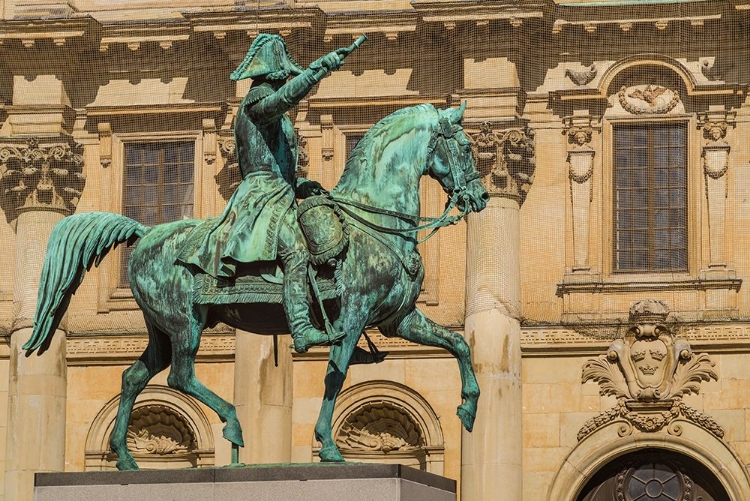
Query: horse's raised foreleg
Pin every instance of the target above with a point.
(338, 365)
(420, 329)
(135, 378)
(182, 378)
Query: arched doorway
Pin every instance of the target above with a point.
(653, 475)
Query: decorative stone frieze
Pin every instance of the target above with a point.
(649, 370)
(505, 159)
(40, 173)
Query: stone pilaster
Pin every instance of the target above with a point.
(41, 182)
(491, 455)
(263, 398)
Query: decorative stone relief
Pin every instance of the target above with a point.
(379, 427)
(157, 429)
(648, 99)
(105, 143)
(579, 130)
(581, 77)
(230, 176)
(42, 173)
(505, 160)
(715, 165)
(649, 370)
(209, 141)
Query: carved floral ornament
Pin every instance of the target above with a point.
(42, 173)
(379, 427)
(505, 159)
(649, 370)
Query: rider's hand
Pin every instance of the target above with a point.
(308, 188)
(331, 61)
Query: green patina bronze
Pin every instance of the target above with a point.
(372, 280)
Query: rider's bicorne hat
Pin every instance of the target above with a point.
(269, 57)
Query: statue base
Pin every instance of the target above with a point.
(291, 482)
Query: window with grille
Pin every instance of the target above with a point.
(157, 186)
(650, 199)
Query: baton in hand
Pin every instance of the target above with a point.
(343, 52)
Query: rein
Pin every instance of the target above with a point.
(434, 223)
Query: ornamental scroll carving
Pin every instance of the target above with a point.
(156, 429)
(649, 370)
(505, 159)
(40, 173)
(381, 427)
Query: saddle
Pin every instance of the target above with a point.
(256, 283)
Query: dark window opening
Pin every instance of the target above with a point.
(157, 186)
(650, 198)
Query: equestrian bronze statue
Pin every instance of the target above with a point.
(364, 267)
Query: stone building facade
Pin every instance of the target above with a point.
(602, 291)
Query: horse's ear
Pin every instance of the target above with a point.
(456, 114)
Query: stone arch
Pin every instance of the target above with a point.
(618, 439)
(167, 430)
(387, 422)
(646, 60)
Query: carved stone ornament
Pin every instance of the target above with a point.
(648, 99)
(230, 176)
(156, 429)
(40, 174)
(505, 159)
(379, 427)
(581, 77)
(649, 370)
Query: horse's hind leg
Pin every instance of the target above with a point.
(420, 329)
(182, 378)
(153, 360)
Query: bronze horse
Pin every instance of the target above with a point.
(380, 273)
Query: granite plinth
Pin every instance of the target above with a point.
(308, 482)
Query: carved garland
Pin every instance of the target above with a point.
(650, 96)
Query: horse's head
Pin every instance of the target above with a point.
(451, 162)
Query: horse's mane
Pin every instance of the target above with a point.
(389, 129)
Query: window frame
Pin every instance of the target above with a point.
(651, 188)
(693, 206)
(112, 295)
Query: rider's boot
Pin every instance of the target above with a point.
(297, 309)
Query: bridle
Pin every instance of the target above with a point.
(446, 131)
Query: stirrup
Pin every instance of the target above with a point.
(304, 341)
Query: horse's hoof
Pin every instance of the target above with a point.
(466, 416)
(127, 464)
(330, 455)
(233, 433)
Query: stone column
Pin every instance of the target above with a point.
(41, 183)
(263, 398)
(491, 454)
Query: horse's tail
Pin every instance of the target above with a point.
(75, 244)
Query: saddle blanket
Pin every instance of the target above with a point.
(255, 283)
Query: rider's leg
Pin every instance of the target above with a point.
(294, 257)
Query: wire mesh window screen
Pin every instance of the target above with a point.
(650, 197)
(157, 187)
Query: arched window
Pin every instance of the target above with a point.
(653, 475)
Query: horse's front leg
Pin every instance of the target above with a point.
(420, 329)
(338, 365)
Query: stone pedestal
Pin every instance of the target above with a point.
(263, 398)
(303, 482)
(491, 454)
